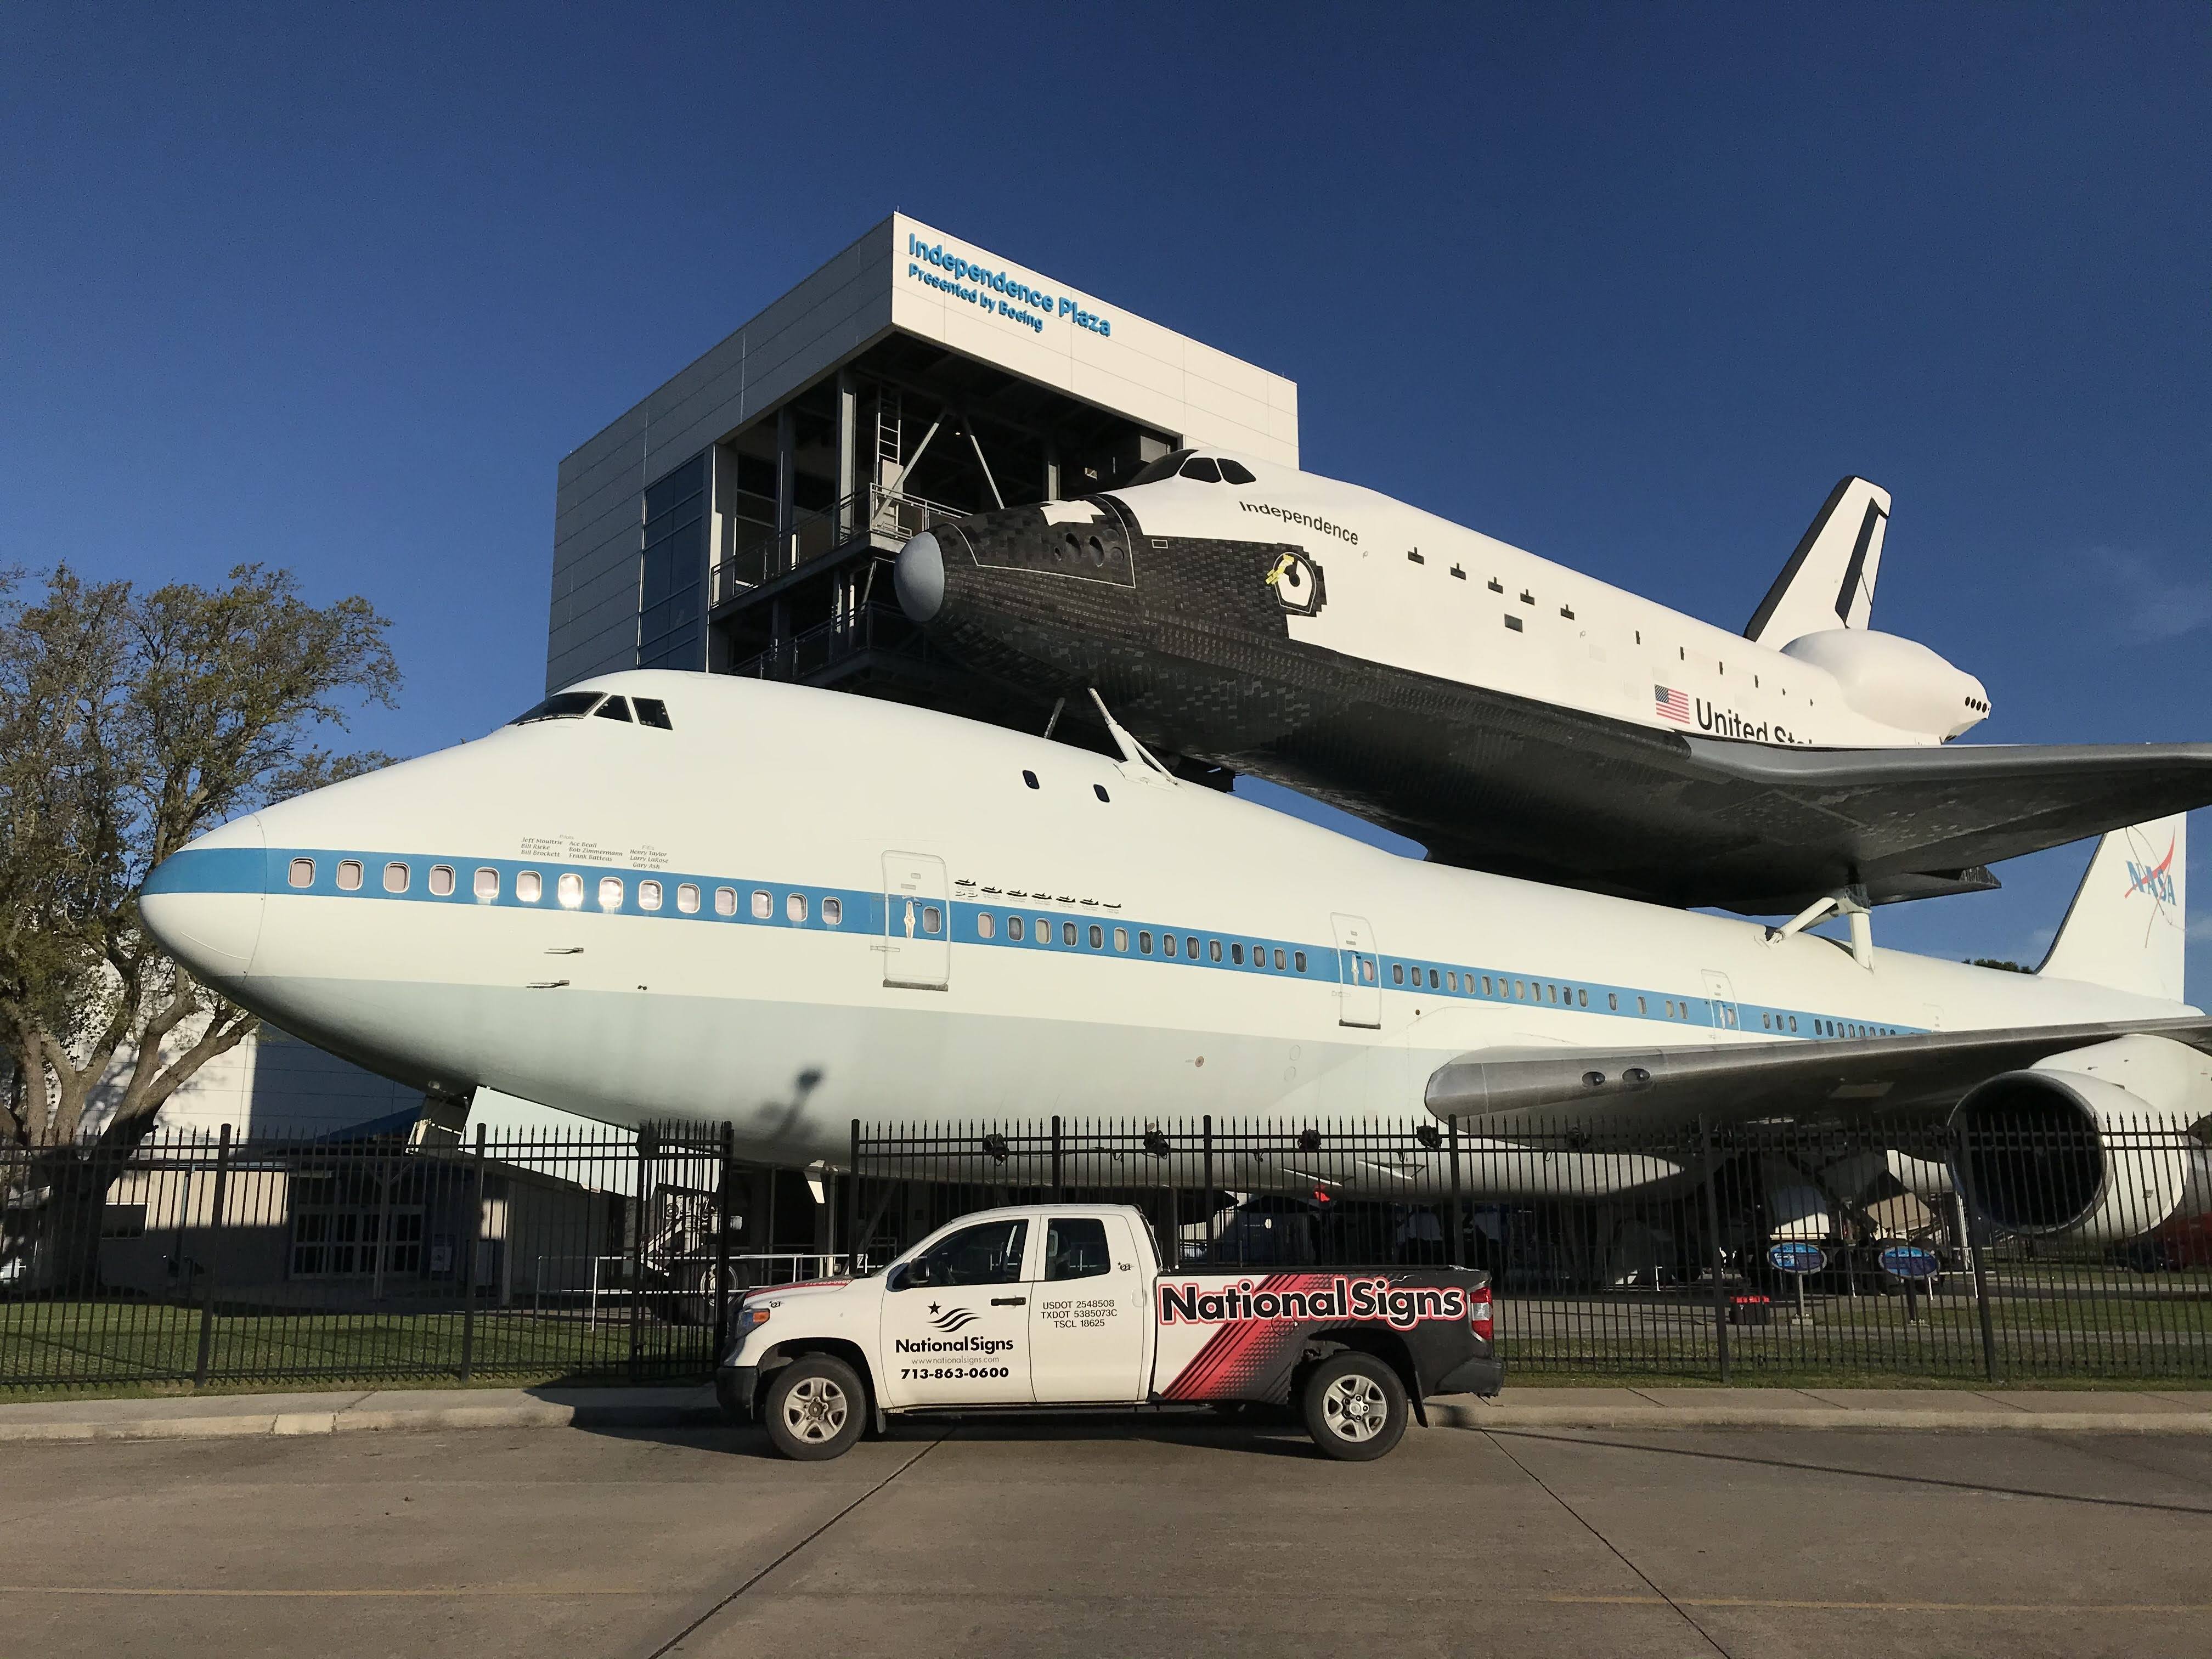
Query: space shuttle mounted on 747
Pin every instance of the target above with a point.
(1512, 715)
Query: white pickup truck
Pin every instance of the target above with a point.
(1065, 1305)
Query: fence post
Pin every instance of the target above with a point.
(648, 1142)
(1713, 1246)
(475, 1186)
(722, 1192)
(1206, 1197)
(1977, 1236)
(1059, 1188)
(852, 1208)
(207, 1277)
(1456, 1253)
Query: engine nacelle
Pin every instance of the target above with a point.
(1897, 681)
(2095, 1143)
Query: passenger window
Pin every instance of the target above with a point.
(1167, 944)
(1075, 1248)
(1641, 1006)
(1237, 953)
(1044, 930)
(1451, 980)
(651, 711)
(1202, 468)
(933, 920)
(1278, 962)
(1068, 933)
(989, 1253)
(570, 889)
(1213, 950)
(986, 926)
(1486, 989)
(529, 886)
(764, 906)
(1014, 928)
(1144, 943)
(487, 883)
(1612, 1000)
(1581, 998)
(1097, 937)
(1366, 970)
(1433, 979)
(687, 898)
(303, 872)
(1236, 472)
(441, 880)
(395, 877)
(795, 908)
(726, 901)
(1121, 938)
(614, 708)
(1300, 957)
(1397, 973)
(1190, 946)
(648, 895)
(611, 893)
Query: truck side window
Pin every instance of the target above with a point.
(988, 1254)
(1075, 1248)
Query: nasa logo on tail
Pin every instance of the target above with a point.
(1297, 583)
(2155, 879)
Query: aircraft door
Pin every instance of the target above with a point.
(1360, 974)
(917, 922)
(1721, 995)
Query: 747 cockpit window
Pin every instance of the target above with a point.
(560, 706)
(614, 708)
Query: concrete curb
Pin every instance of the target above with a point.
(217, 1419)
(1721, 1415)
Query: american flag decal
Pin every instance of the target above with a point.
(1671, 704)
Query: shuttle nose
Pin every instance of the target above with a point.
(918, 575)
(203, 904)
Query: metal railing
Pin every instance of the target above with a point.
(584, 1253)
(872, 626)
(758, 553)
(1770, 1252)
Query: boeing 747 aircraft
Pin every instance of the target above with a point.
(1514, 715)
(663, 894)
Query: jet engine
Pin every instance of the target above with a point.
(1899, 682)
(2095, 1145)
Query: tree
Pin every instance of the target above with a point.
(1994, 962)
(131, 723)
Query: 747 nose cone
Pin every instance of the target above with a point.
(203, 904)
(918, 574)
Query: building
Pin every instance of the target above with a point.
(741, 518)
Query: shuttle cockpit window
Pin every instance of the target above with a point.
(1166, 467)
(1204, 468)
(1236, 472)
(560, 706)
(614, 708)
(651, 711)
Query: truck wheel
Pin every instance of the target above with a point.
(815, 1409)
(1355, 1407)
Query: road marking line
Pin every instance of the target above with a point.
(450, 1590)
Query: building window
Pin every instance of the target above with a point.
(529, 886)
(570, 889)
(794, 907)
(395, 877)
(487, 883)
(726, 901)
(672, 611)
(986, 925)
(648, 895)
(687, 898)
(611, 893)
(441, 880)
(303, 872)
(348, 874)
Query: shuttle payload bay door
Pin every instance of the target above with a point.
(917, 922)
(1360, 974)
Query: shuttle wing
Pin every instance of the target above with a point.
(1498, 1091)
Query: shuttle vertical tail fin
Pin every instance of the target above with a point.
(2128, 926)
(1829, 581)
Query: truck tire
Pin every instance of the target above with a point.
(814, 1408)
(1355, 1407)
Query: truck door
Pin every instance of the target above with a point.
(1359, 980)
(1088, 1313)
(957, 1321)
(917, 922)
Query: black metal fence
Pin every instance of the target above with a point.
(586, 1254)
(2038, 1249)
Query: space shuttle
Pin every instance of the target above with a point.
(1516, 716)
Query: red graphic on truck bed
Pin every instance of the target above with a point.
(1242, 1350)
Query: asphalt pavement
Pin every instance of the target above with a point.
(1110, 1536)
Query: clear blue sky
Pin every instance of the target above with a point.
(1630, 286)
